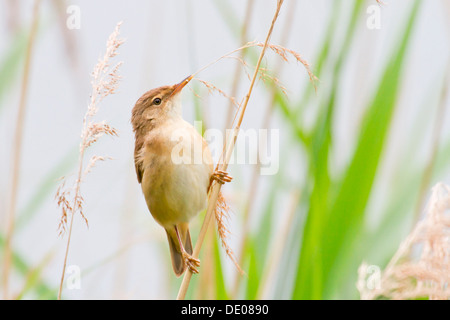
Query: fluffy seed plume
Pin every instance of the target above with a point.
(211, 88)
(420, 267)
(104, 80)
(264, 75)
(284, 53)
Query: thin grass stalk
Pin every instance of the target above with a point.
(215, 189)
(254, 181)
(69, 236)
(238, 70)
(436, 138)
(17, 150)
(104, 81)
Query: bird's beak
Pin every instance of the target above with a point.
(181, 85)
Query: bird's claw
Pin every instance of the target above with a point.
(221, 176)
(191, 262)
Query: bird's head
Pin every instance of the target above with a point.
(158, 105)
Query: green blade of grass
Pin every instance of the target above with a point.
(346, 214)
(309, 279)
(254, 270)
(398, 217)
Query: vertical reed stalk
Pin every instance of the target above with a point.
(104, 81)
(69, 236)
(17, 150)
(215, 190)
(238, 70)
(254, 181)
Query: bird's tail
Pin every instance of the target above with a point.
(175, 251)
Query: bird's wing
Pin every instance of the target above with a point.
(138, 160)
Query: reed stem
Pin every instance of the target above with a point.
(215, 189)
(17, 151)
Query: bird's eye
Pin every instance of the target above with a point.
(157, 101)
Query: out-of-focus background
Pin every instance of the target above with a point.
(356, 158)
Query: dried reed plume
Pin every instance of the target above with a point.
(263, 75)
(221, 213)
(421, 266)
(281, 51)
(284, 53)
(211, 88)
(104, 81)
(214, 192)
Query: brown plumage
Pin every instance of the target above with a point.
(174, 180)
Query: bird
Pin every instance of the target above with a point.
(174, 168)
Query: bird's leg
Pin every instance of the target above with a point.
(220, 176)
(190, 261)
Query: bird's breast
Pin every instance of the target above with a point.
(177, 171)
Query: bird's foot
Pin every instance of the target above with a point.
(191, 262)
(221, 176)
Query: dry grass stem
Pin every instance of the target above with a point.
(215, 189)
(17, 151)
(281, 51)
(421, 266)
(104, 81)
(238, 69)
(254, 181)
